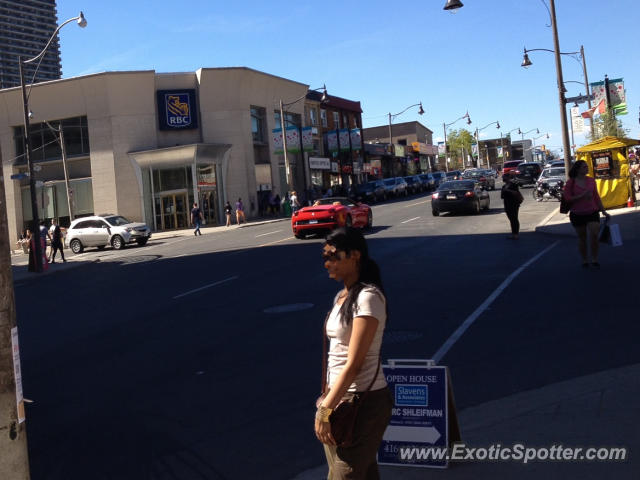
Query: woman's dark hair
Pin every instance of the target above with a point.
(348, 240)
(573, 172)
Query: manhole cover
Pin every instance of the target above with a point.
(292, 307)
(401, 336)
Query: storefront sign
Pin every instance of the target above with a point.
(420, 147)
(376, 148)
(347, 168)
(602, 164)
(334, 167)
(177, 109)
(399, 150)
(319, 163)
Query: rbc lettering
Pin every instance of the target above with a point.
(178, 121)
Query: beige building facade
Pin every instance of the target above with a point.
(147, 145)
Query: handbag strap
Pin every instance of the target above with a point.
(325, 359)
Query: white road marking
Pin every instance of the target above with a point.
(472, 318)
(410, 220)
(418, 203)
(235, 277)
(276, 241)
(268, 233)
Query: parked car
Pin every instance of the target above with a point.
(554, 163)
(527, 173)
(414, 184)
(428, 182)
(459, 195)
(104, 230)
(511, 166)
(482, 176)
(438, 178)
(395, 186)
(454, 175)
(330, 213)
(372, 191)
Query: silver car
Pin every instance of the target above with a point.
(105, 230)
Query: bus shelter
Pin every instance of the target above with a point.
(608, 163)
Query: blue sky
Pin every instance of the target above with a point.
(387, 55)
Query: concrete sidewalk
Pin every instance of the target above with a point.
(599, 410)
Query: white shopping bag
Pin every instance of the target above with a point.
(616, 237)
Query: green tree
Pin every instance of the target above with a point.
(606, 125)
(457, 141)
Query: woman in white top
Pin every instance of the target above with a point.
(355, 327)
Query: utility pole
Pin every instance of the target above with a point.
(14, 461)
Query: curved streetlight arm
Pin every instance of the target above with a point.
(466, 115)
(527, 50)
(82, 22)
(444, 128)
(529, 131)
(488, 125)
(322, 100)
(421, 111)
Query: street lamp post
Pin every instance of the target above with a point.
(392, 116)
(287, 165)
(561, 99)
(502, 144)
(63, 151)
(534, 143)
(444, 129)
(478, 130)
(82, 22)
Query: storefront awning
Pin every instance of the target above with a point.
(204, 153)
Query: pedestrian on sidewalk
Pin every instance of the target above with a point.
(240, 212)
(293, 200)
(355, 326)
(196, 219)
(227, 211)
(56, 241)
(585, 206)
(512, 198)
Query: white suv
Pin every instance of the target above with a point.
(103, 230)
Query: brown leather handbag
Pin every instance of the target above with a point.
(343, 418)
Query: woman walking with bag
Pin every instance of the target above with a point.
(512, 198)
(585, 206)
(355, 326)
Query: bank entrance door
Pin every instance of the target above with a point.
(172, 211)
(209, 206)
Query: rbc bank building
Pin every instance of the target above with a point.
(146, 145)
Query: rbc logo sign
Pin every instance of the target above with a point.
(176, 109)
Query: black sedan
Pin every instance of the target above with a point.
(459, 195)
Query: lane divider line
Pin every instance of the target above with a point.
(410, 220)
(268, 233)
(276, 241)
(235, 277)
(418, 203)
(478, 311)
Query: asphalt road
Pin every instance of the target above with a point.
(180, 360)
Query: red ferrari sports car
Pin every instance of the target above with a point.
(330, 213)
